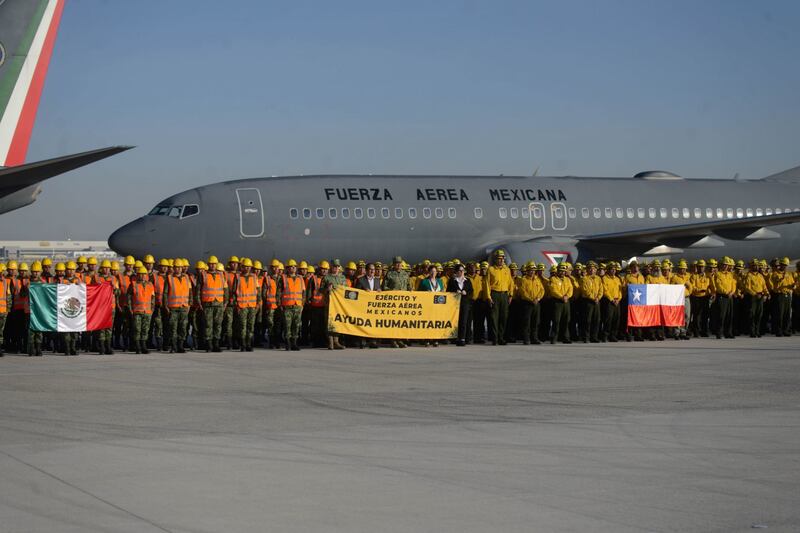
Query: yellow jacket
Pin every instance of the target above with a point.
(657, 280)
(498, 279)
(754, 283)
(781, 282)
(682, 279)
(700, 284)
(632, 279)
(724, 283)
(477, 285)
(560, 287)
(612, 287)
(530, 289)
(591, 286)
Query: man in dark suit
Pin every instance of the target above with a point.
(462, 285)
(368, 282)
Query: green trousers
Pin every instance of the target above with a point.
(560, 320)
(530, 321)
(499, 315)
(755, 312)
(140, 326)
(178, 327)
(227, 324)
(213, 320)
(291, 317)
(246, 320)
(591, 320)
(3, 317)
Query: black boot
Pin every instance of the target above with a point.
(109, 348)
(144, 348)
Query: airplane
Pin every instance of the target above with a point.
(28, 31)
(543, 219)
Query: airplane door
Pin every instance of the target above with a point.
(538, 216)
(558, 216)
(251, 213)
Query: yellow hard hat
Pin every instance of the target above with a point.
(148, 259)
(740, 263)
(114, 265)
(200, 265)
(129, 260)
(47, 261)
(324, 264)
(71, 265)
(351, 265)
(163, 263)
(171, 262)
(257, 265)
(2, 267)
(728, 261)
(291, 262)
(220, 267)
(247, 262)
(138, 264)
(274, 263)
(701, 262)
(213, 259)
(233, 259)
(59, 267)
(303, 264)
(105, 264)
(36, 266)
(23, 267)
(141, 270)
(666, 263)
(512, 265)
(712, 262)
(81, 260)
(311, 270)
(92, 261)
(785, 261)
(280, 266)
(12, 265)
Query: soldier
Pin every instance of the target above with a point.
(70, 340)
(397, 280)
(246, 299)
(270, 299)
(22, 307)
(177, 300)
(258, 328)
(315, 302)
(47, 273)
(561, 288)
(227, 321)
(755, 293)
(498, 289)
(35, 338)
(80, 270)
(6, 301)
(213, 290)
(781, 286)
(530, 291)
(159, 325)
(291, 288)
(141, 304)
(682, 277)
(330, 282)
(104, 336)
(724, 284)
(610, 304)
(591, 287)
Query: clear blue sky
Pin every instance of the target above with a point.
(210, 92)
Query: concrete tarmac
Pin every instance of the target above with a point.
(700, 435)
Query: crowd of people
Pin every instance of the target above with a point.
(243, 304)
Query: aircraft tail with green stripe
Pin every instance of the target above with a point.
(28, 31)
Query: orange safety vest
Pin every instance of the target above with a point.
(142, 297)
(213, 289)
(21, 298)
(293, 289)
(271, 293)
(230, 277)
(179, 288)
(158, 282)
(4, 290)
(317, 296)
(246, 292)
(124, 282)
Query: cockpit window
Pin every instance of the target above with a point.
(190, 210)
(175, 211)
(159, 210)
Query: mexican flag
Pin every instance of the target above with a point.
(71, 308)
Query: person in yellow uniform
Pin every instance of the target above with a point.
(699, 299)
(591, 291)
(682, 277)
(480, 307)
(781, 286)
(755, 293)
(655, 277)
(796, 299)
(560, 290)
(498, 288)
(530, 291)
(476, 280)
(610, 304)
(575, 320)
(724, 284)
(631, 277)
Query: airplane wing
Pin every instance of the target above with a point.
(13, 179)
(735, 228)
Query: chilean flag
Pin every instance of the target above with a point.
(655, 305)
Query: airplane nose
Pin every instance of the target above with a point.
(128, 238)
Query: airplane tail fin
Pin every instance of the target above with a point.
(27, 34)
(791, 175)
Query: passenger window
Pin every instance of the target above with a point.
(629, 212)
(293, 213)
(190, 210)
(597, 212)
(398, 212)
(345, 212)
(320, 212)
(651, 212)
(370, 212)
(720, 213)
(306, 213)
(384, 212)
(709, 213)
(640, 212)
(478, 212)
(609, 212)
(729, 212)
(778, 211)
(514, 212)
(585, 212)
(676, 212)
(571, 212)
(525, 212)
(698, 213)
(739, 212)
(451, 212)
(439, 212)
(503, 212)
(768, 211)
(332, 212)
(686, 213)
(759, 212)
(749, 211)
(426, 212)
(619, 212)
(358, 213)
(412, 212)
(662, 212)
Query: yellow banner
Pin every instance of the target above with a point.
(394, 314)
